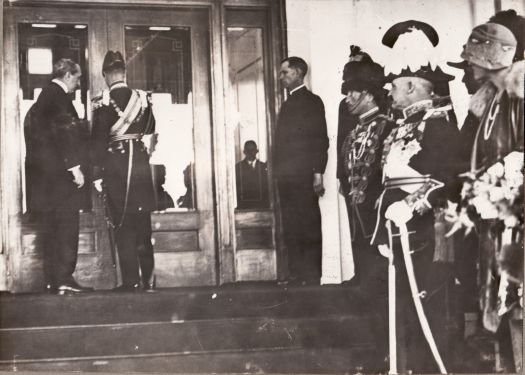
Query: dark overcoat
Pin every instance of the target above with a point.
(56, 140)
(301, 141)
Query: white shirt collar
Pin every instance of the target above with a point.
(297, 88)
(61, 84)
(117, 85)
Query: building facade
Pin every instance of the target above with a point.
(212, 67)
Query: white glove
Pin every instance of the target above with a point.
(399, 212)
(385, 251)
(98, 185)
(78, 176)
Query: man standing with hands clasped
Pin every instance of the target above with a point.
(301, 145)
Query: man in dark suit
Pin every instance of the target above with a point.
(54, 160)
(251, 177)
(121, 162)
(301, 145)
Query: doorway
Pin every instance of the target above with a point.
(167, 54)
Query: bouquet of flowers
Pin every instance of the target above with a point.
(497, 193)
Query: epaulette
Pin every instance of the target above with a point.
(100, 100)
(438, 112)
(145, 98)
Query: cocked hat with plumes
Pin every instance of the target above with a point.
(362, 73)
(436, 76)
(113, 60)
(414, 54)
(490, 46)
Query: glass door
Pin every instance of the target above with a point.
(249, 112)
(35, 39)
(167, 53)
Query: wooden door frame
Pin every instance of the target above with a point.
(10, 152)
(10, 161)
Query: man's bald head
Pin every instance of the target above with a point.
(409, 90)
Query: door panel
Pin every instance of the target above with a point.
(248, 103)
(184, 226)
(170, 56)
(38, 38)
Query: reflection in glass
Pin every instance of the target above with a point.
(159, 61)
(247, 103)
(40, 46)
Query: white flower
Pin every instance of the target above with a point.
(496, 194)
(484, 207)
(496, 171)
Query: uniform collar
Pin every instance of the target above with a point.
(417, 110)
(297, 88)
(368, 116)
(117, 85)
(61, 84)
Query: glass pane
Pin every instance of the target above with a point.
(40, 46)
(159, 61)
(247, 103)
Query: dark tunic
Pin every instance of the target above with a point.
(130, 203)
(346, 122)
(111, 160)
(362, 150)
(423, 144)
(361, 158)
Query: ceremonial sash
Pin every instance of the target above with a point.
(133, 109)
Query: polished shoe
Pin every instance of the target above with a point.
(290, 280)
(72, 288)
(50, 288)
(150, 285)
(126, 288)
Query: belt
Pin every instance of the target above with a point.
(125, 137)
(398, 182)
(120, 144)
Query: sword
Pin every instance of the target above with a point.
(109, 223)
(416, 296)
(392, 334)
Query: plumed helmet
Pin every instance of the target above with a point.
(113, 60)
(356, 54)
(362, 73)
(490, 46)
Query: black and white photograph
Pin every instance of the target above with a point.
(262, 186)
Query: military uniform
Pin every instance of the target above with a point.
(418, 164)
(362, 151)
(121, 117)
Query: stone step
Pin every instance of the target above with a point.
(166, 305)
(179, 337)
(284, 361)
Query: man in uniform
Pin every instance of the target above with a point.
(54, 161)
(361, 152)
(121, 161)
(418, 168)
(301, 145)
